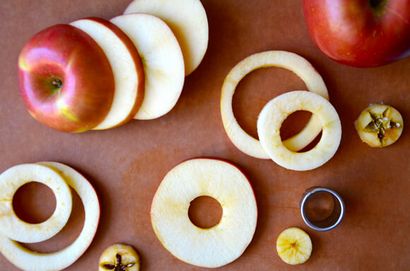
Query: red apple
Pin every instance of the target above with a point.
(361, 33)
(65, 79)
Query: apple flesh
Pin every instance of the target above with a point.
(66, 80)
(205, 247)
(126, 66)
(163, 64)
(361, 33)
(188, 21)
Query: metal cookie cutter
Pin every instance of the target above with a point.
(322, 209)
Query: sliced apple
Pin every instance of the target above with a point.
(162, 59)
(188, 21)
(66, 80)
(127, 69)
(15, 228)
(30, 260)
(211, 247)
(278, 109)
(282, 59)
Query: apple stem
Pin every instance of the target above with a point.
(57, 83)
(378, 5)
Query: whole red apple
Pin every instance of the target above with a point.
(361, 33)
(66, 80)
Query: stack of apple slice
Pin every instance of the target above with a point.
(99, 74)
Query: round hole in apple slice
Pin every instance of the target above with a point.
(294, 124)
(188, 21)
(162, 59)
(34, 202)
(126, 66)
(205, 212)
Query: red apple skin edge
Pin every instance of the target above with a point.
(65, 79)
(360, 33)
(140, 87)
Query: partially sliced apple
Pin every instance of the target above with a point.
(126, 66)
(162, 59)
(188, 21)
(220, 244)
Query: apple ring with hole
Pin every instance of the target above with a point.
(162, 60)
(126, 66)
(282, 59)
(15, 228)
(278, 109)
(34, 261)
(211, 247)
(188, 21)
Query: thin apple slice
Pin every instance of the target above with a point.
(282, 59)
(211, 247)
(126, 66)
(162, 59)
(11, 225)
(30, 260)
(278, 109)
(188, 21)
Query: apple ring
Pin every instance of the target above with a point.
(278, 109)
(15, 228)
(282, 59)
(29, 260)
(211, 247)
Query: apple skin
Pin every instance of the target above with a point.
(66, 80)
(360, 33)
(140, 88)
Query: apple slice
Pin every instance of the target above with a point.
(282, 59)
(30, 260)
(126, 65)
(278, 109)
(162, 59)
(11, 225)
(188, 21)
(211, 247)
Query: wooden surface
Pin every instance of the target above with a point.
(126, 164)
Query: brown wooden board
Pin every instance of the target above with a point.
(126, 164)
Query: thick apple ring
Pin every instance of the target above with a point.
(282, 59)
(278, 109)
(29, 260)
(15, 228)
(215, 246)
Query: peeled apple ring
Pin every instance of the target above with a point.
(278, 109)
(15, 228)
(282, 59)
(33, 261)
(210, 247)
